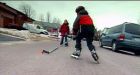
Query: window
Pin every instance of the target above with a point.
(116, 29)
(105, 31)
(132, 28)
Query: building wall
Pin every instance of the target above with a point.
(6, 18)
(3, 6)
(1, 21)
(19, 20)
(12, 18)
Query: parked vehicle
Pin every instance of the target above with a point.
(104, 31)
(125, 36)
(35, 28)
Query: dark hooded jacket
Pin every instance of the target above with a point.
(83, 22)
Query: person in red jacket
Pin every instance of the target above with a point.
(83, 27)
(64, 30)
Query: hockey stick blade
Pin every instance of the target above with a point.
(44, 51)
(48, 52)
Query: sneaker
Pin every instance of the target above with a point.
(76, 54)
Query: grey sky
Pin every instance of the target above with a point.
(103, 13)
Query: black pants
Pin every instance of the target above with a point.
(88, 34)
(62, 40)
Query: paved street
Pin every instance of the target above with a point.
(26, 59)
(6, 38)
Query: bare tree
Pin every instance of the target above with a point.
(48, 17)
(41, 17)
(27, 10)
(58, 21)
(97, 34)
(54, 20)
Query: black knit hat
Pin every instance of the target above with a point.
(79, 8)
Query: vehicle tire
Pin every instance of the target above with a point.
(41, 33)
(114, 47)
(46, 33)
(100, 43)
(137, 53)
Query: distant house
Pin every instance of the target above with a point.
(12, 18)
(50, 27)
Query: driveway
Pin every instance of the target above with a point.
(7, 38)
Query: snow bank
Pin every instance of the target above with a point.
(25, 34)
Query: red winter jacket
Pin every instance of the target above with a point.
(82, 20)
(85, 20)
(64, 29)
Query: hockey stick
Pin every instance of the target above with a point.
(48, 52)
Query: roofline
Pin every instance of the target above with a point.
(16, 10)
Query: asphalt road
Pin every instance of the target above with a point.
(6, 38)
(26, 59)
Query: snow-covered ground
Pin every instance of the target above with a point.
(25, 34)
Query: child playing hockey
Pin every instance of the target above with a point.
(83, 27)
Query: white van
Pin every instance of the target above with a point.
(34, 28)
